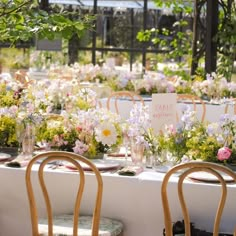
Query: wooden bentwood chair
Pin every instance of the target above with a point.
(69, 224)
(115, 96)
(233, 104)
(194, 100)
(186, 169)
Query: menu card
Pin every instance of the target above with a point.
(163, 111)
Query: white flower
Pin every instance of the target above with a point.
(106, 134)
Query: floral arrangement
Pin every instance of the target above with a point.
(14, 117)
(93, 73)
(214, 87)
(154, 83)
(138, 129)
(123, 81)
(56, 95)
(193, 140)
(87, 132)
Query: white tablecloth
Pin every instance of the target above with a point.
(213, 111)
(136, 201)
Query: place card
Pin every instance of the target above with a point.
(163, 111)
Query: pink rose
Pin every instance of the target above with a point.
(224, 153)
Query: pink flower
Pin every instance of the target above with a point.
(80, 147)
(224, 153)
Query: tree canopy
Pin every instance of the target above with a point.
(22, 20)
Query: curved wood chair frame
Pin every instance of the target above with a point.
(188, 168)
(121, 94)
(194, 100)
(72, 158)
(234, 105)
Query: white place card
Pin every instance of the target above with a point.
(163, 111)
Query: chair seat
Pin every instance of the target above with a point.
(62, 226)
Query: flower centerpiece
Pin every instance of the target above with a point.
(193, 140)
(93, 73)
(87, 132)
(154, 83)
(214, 87)
(53, 96)
(139, 130)
(123, 81)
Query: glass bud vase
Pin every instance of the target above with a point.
(137, 153)
(28, 141)
(149, 160)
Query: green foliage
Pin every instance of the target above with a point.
(226, 38)
(175, 41)
(7, 97)
(7, 131)
(180, 44)
(22, 20)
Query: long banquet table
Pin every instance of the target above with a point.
(213, 111)
(136, 201)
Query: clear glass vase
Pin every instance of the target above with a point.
(137, 153)
(149, 160)
(28, 141)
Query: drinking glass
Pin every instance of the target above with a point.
(28, 141)
(20, 133)
(126, 142)
(137, 152)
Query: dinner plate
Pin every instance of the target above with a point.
(41, 160)
(102, 165)
(4, 156)
(208, 177)
(162, 169)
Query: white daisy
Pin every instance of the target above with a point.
(106, 134)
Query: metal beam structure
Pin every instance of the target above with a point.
(205, 27)
(211, 32)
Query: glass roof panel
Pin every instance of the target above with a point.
(107, 3)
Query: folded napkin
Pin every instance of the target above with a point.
(130, 170)
(18, 162)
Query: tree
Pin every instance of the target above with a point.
(213, 41)
(23, 20)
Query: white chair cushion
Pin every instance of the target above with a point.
(63, 225)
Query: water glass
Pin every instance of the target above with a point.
(137, 153)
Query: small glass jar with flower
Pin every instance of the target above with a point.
(27, 119)
(143, 140)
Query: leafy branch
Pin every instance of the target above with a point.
(24, 20)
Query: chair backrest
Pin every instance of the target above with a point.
(232, 103)
(77, 161)
(115, 96)
(194, 100)
(216, 170)
(22, 77)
